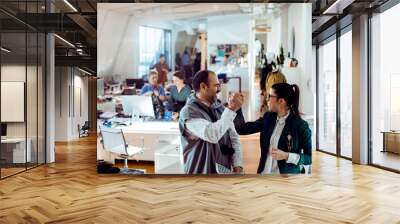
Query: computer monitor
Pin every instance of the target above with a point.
(3, 129)
(100, 87)
(137, 105)
(139, 83)
(130, 82)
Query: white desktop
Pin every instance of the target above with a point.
(20, 153)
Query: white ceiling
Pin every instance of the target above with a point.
(191, 11)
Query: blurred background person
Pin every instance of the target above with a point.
(273, 77)
(179, 92)
(153, 88)
(178, 62)
(162, 69)
(185, 57)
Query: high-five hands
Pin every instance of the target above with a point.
(235, 101)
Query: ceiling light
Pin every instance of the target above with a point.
(84, 71)
(70, 5)
(5, 50)
(338, 6)
(64, 40)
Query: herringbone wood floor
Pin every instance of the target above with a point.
(70, 191)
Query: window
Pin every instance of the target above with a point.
(327, 97)
(346, 94)
(153, 43)
(385, 88)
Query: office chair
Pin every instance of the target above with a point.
(113, 140)
(84, 129)
(138, 83)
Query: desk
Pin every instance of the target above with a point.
(391, 141)
(16, 147)
(162, 145)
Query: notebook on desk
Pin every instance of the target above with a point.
(121, 121)
(108, 115)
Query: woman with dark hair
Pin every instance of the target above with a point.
(285, 138)
(179, 92)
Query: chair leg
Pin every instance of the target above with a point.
(126, 169)
(126, 163)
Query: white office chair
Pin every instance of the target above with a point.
(113, 140)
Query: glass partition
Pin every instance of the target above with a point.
(13, 104)
(22, 88)
(327, 97)
(385, 89)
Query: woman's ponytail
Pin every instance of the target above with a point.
(295, 99)
(291, 94)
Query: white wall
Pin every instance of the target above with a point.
(118, 42)
(275, 37)
(233, 29)
(33, 126)
(16, 73)
(295, 17)
(67, 116)
(61, 103)
(299, 19)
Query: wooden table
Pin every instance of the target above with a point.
(391, 141)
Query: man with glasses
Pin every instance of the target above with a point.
(210, 142)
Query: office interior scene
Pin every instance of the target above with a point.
(71, 70)
(165, 45)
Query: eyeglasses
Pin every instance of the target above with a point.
(270, 96)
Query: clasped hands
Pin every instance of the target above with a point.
(235, 101)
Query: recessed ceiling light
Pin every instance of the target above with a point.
(64, 40)
(5, 50)
(84, 71)
(70, 5)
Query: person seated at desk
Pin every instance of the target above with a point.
(153, 88)
(179, 92)
(162, 69)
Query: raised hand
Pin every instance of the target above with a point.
(235, 101)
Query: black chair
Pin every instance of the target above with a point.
(139, 83)
(84, 130)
